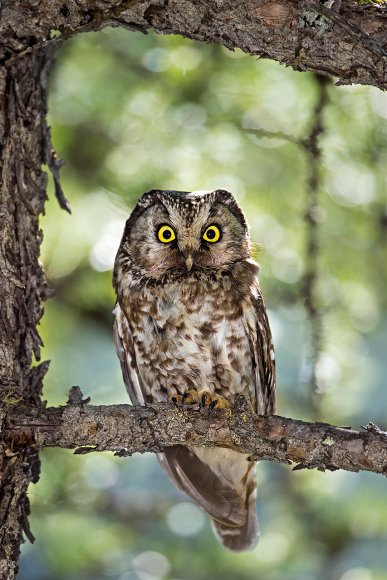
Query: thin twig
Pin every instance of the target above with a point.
(54, 164)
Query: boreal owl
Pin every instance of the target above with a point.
(190, 317)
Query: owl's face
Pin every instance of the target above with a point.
(184, 231)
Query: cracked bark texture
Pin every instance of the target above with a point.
(23, 138)
(126, 430)
(343, 38)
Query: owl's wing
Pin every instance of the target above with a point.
(263, 358)
(123, 343)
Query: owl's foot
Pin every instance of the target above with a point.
(189, 398)
(214, 404)
(204, 401)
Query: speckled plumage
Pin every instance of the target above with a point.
(201, 328)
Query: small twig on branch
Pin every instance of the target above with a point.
(126, 430)
(54, 164)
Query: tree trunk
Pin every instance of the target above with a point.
(24, 141)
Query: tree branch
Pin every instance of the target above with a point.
(339, 37)
(311, 146)
(126, 430)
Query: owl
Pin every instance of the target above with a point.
(191, 326)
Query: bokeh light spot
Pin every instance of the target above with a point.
(185, 519)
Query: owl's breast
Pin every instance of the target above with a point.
(191, 334)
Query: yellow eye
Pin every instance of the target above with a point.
(212, 234)
(165, 234)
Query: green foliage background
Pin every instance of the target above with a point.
(131, 112)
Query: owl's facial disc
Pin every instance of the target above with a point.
(185, 234)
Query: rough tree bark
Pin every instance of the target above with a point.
(126, 430)
(23, 136)
(343, 38)
(346, 40)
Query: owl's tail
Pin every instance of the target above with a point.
(246, 536)
(223, 483)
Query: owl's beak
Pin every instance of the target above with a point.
(189, 262)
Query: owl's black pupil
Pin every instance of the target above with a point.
(210, 234)
(167, 234)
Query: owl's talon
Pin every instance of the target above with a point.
(177, 401)
(205, 399)
(212, 406)
(213, 403)
(221, 405)
(188, 398)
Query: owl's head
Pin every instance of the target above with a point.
(183, 231)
